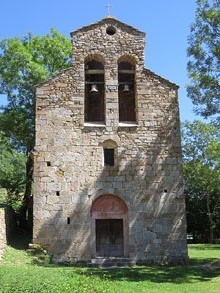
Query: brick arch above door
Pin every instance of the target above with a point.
(108, 207)
(108, 204)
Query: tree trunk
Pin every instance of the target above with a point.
(211, 222)
(26, 216)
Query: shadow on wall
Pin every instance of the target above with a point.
(149, 180)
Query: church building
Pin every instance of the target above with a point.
(107, 161)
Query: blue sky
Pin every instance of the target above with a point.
(166, 23)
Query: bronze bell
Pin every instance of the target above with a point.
(126, 88)
(94, 89)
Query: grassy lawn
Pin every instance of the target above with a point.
(22, 272)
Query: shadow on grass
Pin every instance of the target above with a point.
(197, 271)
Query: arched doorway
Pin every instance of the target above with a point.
(109, 227)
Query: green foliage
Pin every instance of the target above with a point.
(3, 196)
(25, 62)
(201, 155)
(19, 273)
(12, 173)
(204, 53)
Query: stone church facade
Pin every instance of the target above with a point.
(108, 175)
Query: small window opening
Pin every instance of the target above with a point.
(165, 190)
(48, 164)
(111, 30)
(109, 155)
(68, 220)
(57, 193)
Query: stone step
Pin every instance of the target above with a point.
(111, 262)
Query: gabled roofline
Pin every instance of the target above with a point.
(108, 19)
(52, 77)
(162, 79)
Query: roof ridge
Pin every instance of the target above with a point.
(107, 18)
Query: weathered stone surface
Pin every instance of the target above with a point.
(69, 173)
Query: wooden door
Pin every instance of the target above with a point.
(109, 238)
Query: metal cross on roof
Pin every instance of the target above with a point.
(109, 8)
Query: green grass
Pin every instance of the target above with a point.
(22, 272)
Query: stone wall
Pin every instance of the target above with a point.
(2, 232)
(69, 174)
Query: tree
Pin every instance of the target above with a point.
(12, 172)
(204, 59)
(25, 62)
(201, 156)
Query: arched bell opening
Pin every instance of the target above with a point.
(109, 227)
(126, 89)
(94, 90)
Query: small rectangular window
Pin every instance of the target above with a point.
(109, 157)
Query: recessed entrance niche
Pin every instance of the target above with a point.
(109, 227)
